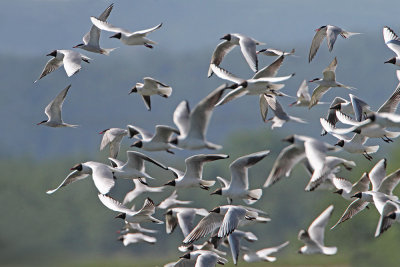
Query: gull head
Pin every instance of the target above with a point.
(137, 144)
(52, 53)
(77, 167)
(226, 37)
(118, 36)
(391, 61)
(217, 192)
(340, 143)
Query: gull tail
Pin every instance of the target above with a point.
(349, 34)
(207, 183)
(107, 51)
(329, 250)
(253, 196)
(372, 149)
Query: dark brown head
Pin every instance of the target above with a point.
(171, 183)
(358, 195)
(174, 141)
(217, 192)
(391, 61)
(138, 144)
(216, 210)
(186, 256)
(133, 90)
(357, 131)
(244, 84)
(372, 117)
(227, 37)
(121, 216)
(41, 122)
(340, 143)
(121, 238)
(53, 53)
(289, 139)
(78, 45)
(340, 192)
(118, 36)
(77, 167)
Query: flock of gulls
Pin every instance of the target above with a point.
(222, 224)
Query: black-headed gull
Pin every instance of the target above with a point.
(140, 216)
(193, 175)
(238, 187)
(70, 59)
(132, 238)
(313, 237)
(393, 42)
(247, 46)
(151, 87)
(193, 124)
(263, 254)
(102, 175)
(127, 37)
(91, 39)
(182, 216)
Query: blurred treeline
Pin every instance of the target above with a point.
(72, 227)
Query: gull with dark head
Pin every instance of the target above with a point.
(70, 59)
(247, 46)
(151, 87)
(125, 36)
(313, 237)
(393, 42)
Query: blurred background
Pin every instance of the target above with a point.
(72, 227)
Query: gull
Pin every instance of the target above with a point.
(238, 187)
(131, 238)
(151, 87)
(127, 37)
(102, 175)
(53, 111)
(193, 124)
(260, 83)
(390, 214)
(234, 240)
(355, 106)
(224, 218)
(140, 188)
(325, 83)
(134, 166)
(172, 201)
(393, 42)
(91, 39)
(313, 237)
(354, 145)
(247, 46)
(200, 258)
(193, 175)
(140, 216)
(135, 228)
(112, 137)
(183, 217)
(263, 254)
(70, 59)
(326, 174)
(346, 189)
(159, 141)
(369, 130)
(289, 157)
(280, 116)
(380, 183)
(275, 52)
(207, 245)
(331, 32)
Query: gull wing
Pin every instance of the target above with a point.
(206, 226)
(72, 61)
(93, 36)
(219, 53)
(355, 207)
(102, 175)
(390, 105)
(53, 109)
(181, 118)
(317, 228)
(147, 31)
(329, 72)
(226, 75)
(316, 42)
(271, 70)
(103, 25)
(114, 205)
(134, 130)
(391, 40)
(72, 177)
(51, 66)
(248, 48)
